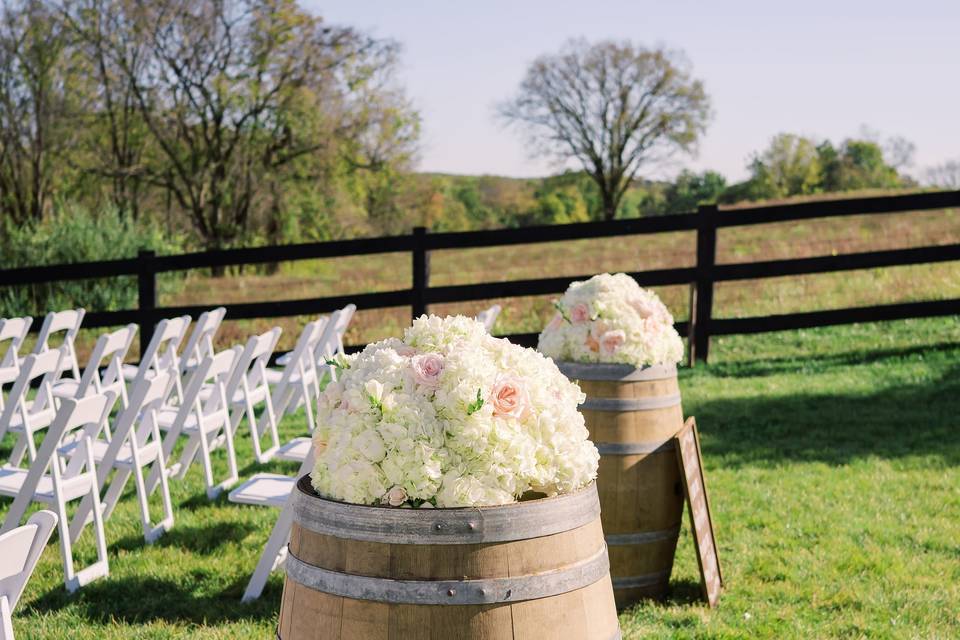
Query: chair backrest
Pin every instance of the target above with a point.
(489, 317)
(147, 396)
(200, 342)
(21, 549)
(46, 368)
(161, 352)
(332, 341)
(15, 330)
(213, 372)
(69, 322)
(253, 361)
(110, 348)
(302, 357)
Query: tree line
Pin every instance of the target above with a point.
(226, 121)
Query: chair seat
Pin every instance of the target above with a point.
(130, 372)
(9, 374)
(274, 376)
(257, 395)
(264, 489)
(296, 450)
(124, 456)
(39, 420)
(12, 479)
(284, 359)
(68, 388)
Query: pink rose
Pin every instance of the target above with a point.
(395, 497)
(579, 313)
(427, 368)
(555, 323)
(406, 351)
(644, 308)
(611, 341)
(509, 398)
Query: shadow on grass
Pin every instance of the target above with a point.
(146, 599)
(897, 421)
(797, 363)
(204, 539)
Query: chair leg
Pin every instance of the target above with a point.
(167, 523)
(6, 622)
(277, 541)
(66, 550)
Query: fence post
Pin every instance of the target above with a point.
(146, 296)
(701, 310)
(421, 272)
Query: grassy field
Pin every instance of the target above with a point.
(833, 463)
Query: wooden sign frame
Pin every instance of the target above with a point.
(689, 458)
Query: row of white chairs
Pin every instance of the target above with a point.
(80, 450)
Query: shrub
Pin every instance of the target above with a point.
(73, 235)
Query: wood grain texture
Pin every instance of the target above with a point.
(585, 613)
(641, 496)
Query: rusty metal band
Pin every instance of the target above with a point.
(633, 448)
(451, 592)
(616, 372)
(641, 581)
(631, 404)
(502, 523)
(641, 537)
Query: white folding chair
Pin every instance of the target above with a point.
(56, 479)
(110, 348)
(14, 331)
(161, 352)
(200, 342)
(298, 382)
(205, 423)
(489, 317)
(25, 417)
(248, 388)
(136, 445)
(68, 322)
(270, 490)
(20, 549)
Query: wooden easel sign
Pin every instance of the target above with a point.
(688, 455)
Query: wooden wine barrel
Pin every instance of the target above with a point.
(632, 415)
(532, 569)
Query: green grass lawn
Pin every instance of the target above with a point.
(833, 464)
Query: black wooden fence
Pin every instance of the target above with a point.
(700, 277)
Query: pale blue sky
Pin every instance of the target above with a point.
(821, 68)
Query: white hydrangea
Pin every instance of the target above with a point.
(449, 417)
(610, 318)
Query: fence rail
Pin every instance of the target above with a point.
(701, 277)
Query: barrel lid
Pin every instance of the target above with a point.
(616, 372)
(464, 525)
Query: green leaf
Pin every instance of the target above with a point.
(475, 406)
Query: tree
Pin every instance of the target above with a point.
(233, 94)
(946, 175)
(691, 189)
(39, 93)
(614, 107)
(117, 144)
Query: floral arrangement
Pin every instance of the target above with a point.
(449, 416)
(610, 318)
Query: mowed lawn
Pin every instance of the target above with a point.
(833, 465)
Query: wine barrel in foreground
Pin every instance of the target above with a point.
(632, 415)
(532, 569)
